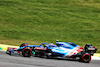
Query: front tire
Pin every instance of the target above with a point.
(26, 52)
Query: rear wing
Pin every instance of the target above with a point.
(90, 49)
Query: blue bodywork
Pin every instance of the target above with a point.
(63, 49)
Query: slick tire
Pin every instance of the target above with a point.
(26, 52)
(85, 58)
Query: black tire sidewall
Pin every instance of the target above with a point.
(23, 53)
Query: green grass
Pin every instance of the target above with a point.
(37, 21)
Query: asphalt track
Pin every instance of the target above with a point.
(19, 61)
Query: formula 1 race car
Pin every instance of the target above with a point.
(61, 49)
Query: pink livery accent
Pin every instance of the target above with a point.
(74, 51)
(10, 48)
(40, 48)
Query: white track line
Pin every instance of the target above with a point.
(95, 58)
(3, 50)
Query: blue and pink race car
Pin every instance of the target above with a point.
(49, 50)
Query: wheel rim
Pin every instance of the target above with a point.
(27, 52)
(86, 58)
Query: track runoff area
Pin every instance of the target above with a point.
(4, 47)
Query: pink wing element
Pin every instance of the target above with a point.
(10, 48)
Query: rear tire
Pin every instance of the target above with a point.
(85, 58)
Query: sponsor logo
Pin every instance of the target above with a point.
(91, 48)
